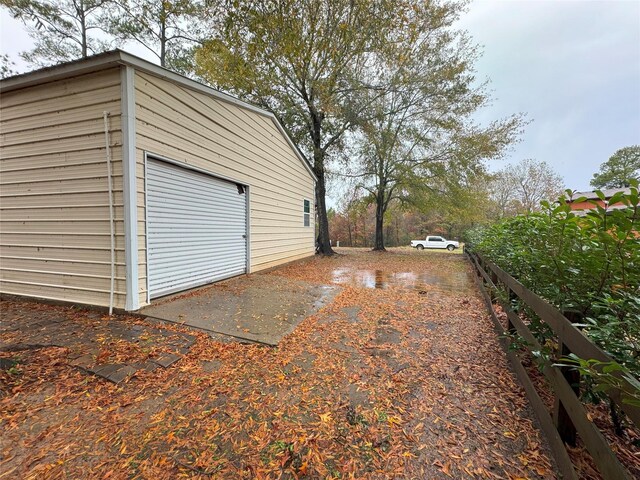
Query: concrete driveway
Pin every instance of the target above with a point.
(259, 308)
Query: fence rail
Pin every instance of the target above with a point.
(569, 414)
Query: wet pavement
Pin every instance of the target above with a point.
(258, 308)
(449, 281)
(264, 308)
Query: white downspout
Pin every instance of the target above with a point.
(105, 116)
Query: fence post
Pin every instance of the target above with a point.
(493, 292)
(510, 326)
(512, 298)
(561, 418)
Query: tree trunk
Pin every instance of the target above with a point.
(379, 241)
(324, 244)
(83, 28)
(323, 241)
(364, 228)
(163, 43)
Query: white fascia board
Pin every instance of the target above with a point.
(65, 70)
(130, 196)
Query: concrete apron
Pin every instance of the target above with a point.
(260, 308)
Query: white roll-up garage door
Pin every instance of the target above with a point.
(196, 228)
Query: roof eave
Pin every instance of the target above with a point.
(57, 72)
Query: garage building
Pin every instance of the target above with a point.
(122, 182)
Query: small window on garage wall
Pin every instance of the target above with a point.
(307, 213)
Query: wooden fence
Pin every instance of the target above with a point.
(569, 416)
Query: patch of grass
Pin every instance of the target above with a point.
(274, 449)
(280, 446)
(382, 416)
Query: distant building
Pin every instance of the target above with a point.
(589, 200)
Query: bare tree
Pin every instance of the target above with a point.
(418, 138)
(63, 30)
(170, 30)
(521, 187)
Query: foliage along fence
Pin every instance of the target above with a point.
(582, 324)
(584, 263)
(569, 416)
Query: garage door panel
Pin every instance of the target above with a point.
(179, 206)
(196, 193)
(176, 261)
(196, 248)
(202, 275)
(197, 268)
(201, 185)
(202, 222)
(196, 228)
(176, 240)
(203, 201)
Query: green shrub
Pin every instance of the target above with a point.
(584, 263)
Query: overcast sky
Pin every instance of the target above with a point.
(572, 66)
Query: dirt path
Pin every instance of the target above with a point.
(401, 381)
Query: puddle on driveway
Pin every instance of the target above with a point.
(455, 281)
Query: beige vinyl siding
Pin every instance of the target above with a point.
(236, 143)
(54, 204)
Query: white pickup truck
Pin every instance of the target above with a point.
(435, 242)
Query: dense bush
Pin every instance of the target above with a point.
(583, 263)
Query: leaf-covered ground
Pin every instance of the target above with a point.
(395, 382)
